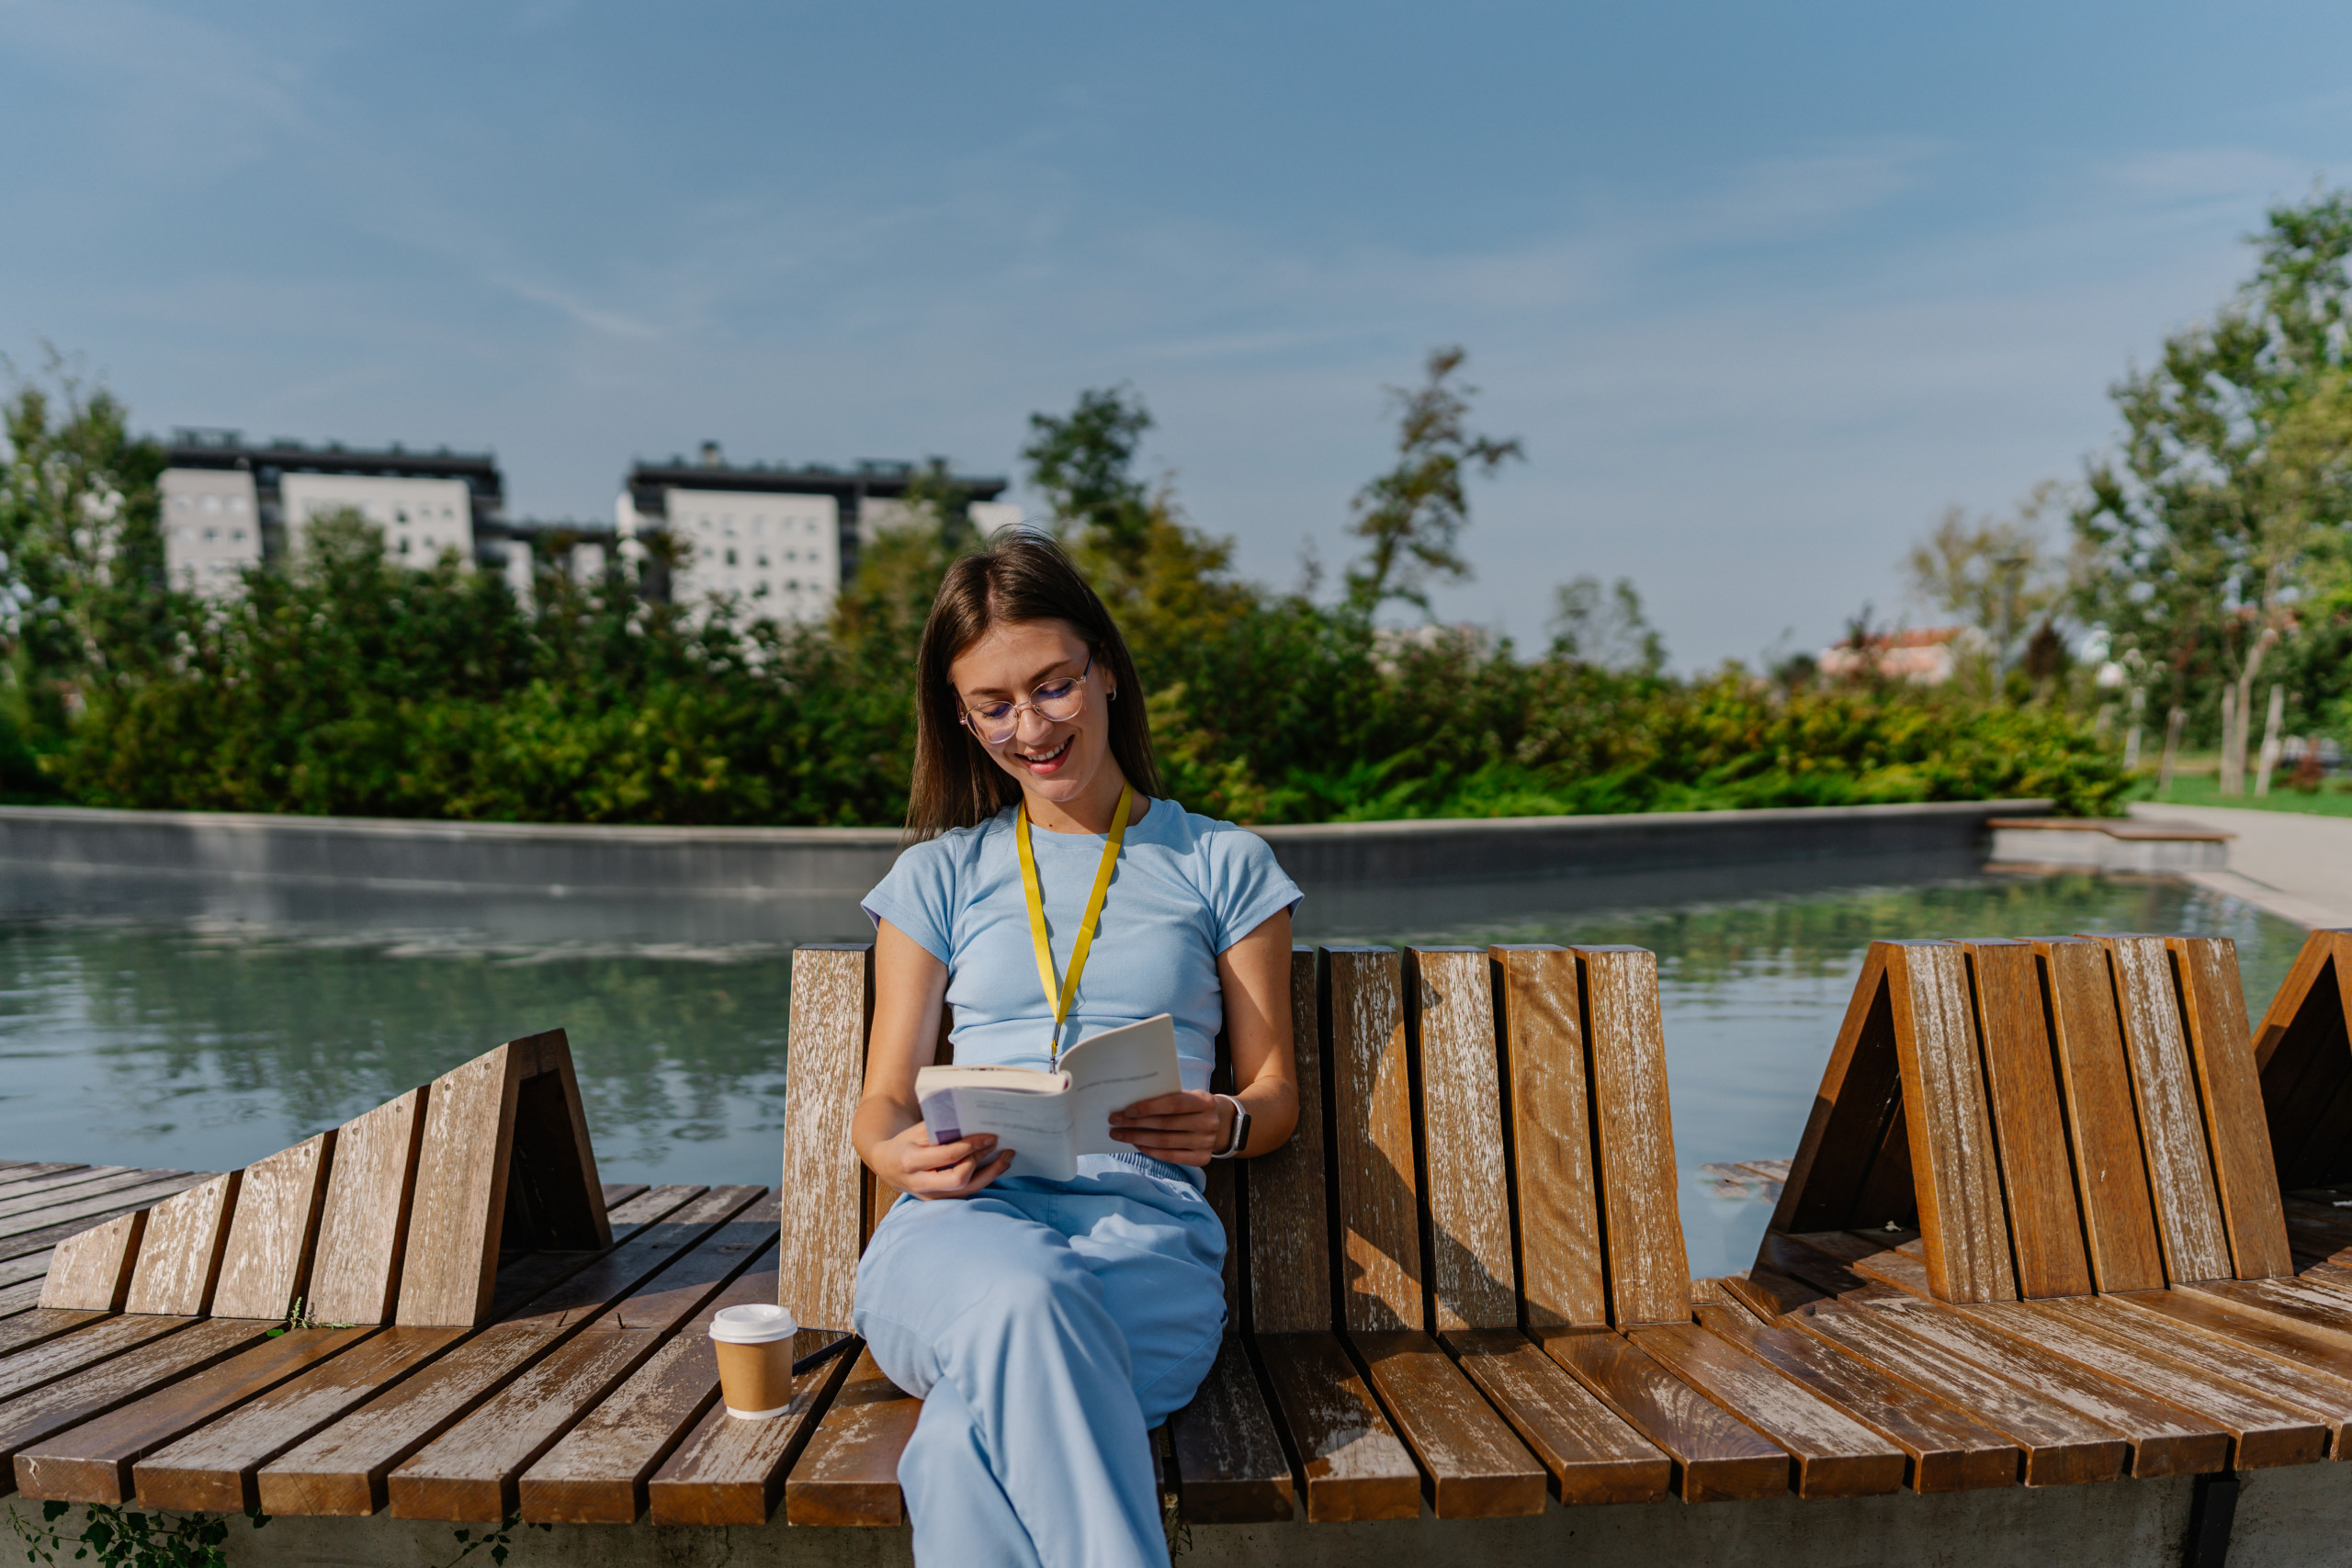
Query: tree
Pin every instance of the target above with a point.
(1084, 461)
(1998, 576)
(1605, 628)
(1414, 514)
(2231, 475)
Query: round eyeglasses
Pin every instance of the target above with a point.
(1055, 702)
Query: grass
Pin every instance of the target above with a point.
(2203, 788)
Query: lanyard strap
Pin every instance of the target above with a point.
(1059, 994)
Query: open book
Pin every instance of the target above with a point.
(1049, 1118)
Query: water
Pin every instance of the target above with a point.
(204, 1043)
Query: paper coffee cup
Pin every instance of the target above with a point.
(754, 1347)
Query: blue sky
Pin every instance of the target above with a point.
(1763, 290)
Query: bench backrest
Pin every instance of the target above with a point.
(2057, 1117)
(2304, 1054)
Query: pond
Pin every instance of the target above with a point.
(203, 1043)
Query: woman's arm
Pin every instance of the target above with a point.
(910, 988)
(1187, 1128)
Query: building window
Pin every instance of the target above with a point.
(730, 558)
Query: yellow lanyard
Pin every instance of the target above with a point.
(1059, 994)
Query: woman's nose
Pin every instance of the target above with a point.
(1021, 720)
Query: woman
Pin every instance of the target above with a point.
(1049, 1326)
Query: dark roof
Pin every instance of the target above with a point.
(878, 478)
(190, 448)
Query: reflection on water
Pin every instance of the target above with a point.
(184, 1040)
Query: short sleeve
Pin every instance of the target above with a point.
(918, 897)
(1248, 886)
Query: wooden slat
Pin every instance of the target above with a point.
(727, 1471)
(44, 1228)
(102, 1341)
(179, 1259)
(215, 1469)
(1956, 1172)
(2316, 956)
(1353, 1464)
(1228, 1457)
(93, 1271)
(266, 1261)
(1856, 1109)
(652, 1248)
(523, 1280)
(597, 1473)
(92, 1462)
(1477, 1468)
(31, 1170)
(1832, 1275)
(1830, 1455)
(2213, 1005)
(2303, 1051)
(849, 1472)
(341, 1468)
(1649, 1274)
(27, 1270)
(2102, 1124)
(2021, 1075)
(1593, 1455)
(1290, 1241)
(1541, 1027)
(1466, 1186)
(2062, 1446)
(24, 1330)
(362, 1225)
(2165, 1439)
(2249, 1328)
(832, 1006)
(1371, 1154)
(92, 1182)
(449, 1268)
(1943, 1450)
(182, 1346)
(2172, 1123)
(1715, 1457)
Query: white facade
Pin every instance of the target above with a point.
(988, 516)
(211, 529)
(779, 556)
(419, 517)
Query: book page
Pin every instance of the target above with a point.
(1111, 1071)
(1034, 1125)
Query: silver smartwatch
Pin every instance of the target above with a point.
(1240, 1130)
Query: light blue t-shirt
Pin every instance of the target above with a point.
(1187, 887)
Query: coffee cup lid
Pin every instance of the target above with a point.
(757, 1323)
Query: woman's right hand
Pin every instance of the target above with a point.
(912, 1163)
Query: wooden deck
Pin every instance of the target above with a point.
(2027, 1241)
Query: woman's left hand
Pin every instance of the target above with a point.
(1183, 1128)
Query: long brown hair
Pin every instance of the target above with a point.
(1022, 576)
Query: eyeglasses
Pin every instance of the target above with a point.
(1055, 702)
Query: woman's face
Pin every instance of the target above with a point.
(1055, 761)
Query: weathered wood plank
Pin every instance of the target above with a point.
(2212, 1001)
(2102, 1124)
(1830, 1455)
(1465, 1193)
(2172, 1122)
(24, 1330)
(523, 1280)
(179, 1259)
(1715, 1457)
(266, 1261)
(652, 1249)
(215, 1468)
(178, 1348)
(727, 1471)
(2062, 1446)
(2316, 1351)
(362, 1225)
(30, 1368)
(848, 1475)
(1372, 1156)
(1794, 1256)
(832, 1006)
(1561, 1281)
(23, 1171)
(1477, 1468)
(1956, 1172)
(93, 1271)
(44, 1228)
(2020, 1073)
(1944, 1450)
(1354, 1465)
(1290, 1240)
(1593, 1455)
(92, 1462)
(92, 1181)
(1649, 1273)
(450, 1266)
(1228, 1457)
(2165, 1439)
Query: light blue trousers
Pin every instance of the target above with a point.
(1047, 1326)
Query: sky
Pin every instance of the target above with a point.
(1762, 289)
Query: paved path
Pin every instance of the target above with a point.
(2297, 865)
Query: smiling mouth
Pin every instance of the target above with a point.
(1046, 759)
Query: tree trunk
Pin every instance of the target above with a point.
(2173, 722)
(2232, 780)
(2270, 758)
(2132, 736)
